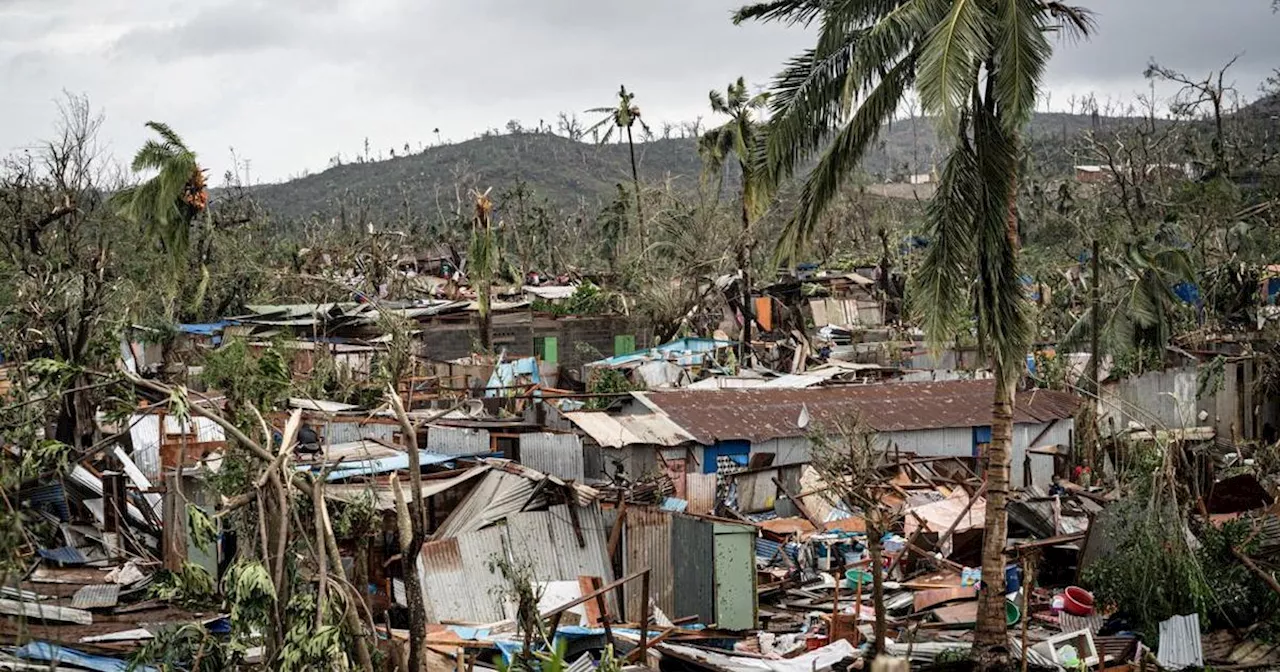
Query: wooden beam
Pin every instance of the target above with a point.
(817, 524)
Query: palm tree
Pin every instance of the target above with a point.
(738, 138)
(625, 115)
(1136, 309)
(169, 202)
(976, 66)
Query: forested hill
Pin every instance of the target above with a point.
(566, 172)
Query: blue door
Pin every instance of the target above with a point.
(736, 452)
(981, 439)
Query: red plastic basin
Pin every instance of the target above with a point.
(1077, 601)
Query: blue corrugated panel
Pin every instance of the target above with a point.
(49, 497)
(767, 550)
(67, 555)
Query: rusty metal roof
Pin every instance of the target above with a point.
(762, 414)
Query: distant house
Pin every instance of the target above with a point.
(1090, 174)
(726, 428)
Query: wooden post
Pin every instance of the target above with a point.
(644, 616)
(1028, 579)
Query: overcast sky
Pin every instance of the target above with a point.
(290, 83)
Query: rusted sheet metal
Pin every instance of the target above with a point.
(700, 490)
(648, 545)
(556, 454)
(457, 584)
(763, 414)
(617, 431)
(457, 440)
(498, 495)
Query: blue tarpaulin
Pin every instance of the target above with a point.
(52, 653)
(1188, 292)
(685, 351)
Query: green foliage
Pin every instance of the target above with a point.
(587, 299)
(356, 518)
(1051, 371)
(260, 381)
(1149, 540)
(191, 586)
(185, 648)
(307, 647)
(608, 381)
(200, 527)
(251, 596)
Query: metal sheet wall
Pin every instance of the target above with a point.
(700, 490)
(345, 432)
(692, 550)
(457, 441)
(648, 544)
(555, 454)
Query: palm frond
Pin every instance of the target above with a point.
(1021, 50)
(949, 60)
(791, 12)
(1075, 22)
(940, 289)
(1004, 332)
(168, 135)
(842, 157)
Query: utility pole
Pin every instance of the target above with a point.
(1095, 338)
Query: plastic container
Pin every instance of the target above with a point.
(1012, 578)
(853, 577)
(1077, 601)
(1012, 614)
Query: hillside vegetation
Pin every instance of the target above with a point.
(570, 173)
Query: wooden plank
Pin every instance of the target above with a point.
(586, 585)
(45, 612)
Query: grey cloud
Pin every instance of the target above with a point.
(290, 83)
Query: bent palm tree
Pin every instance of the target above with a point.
(738, 138)
(625, 115)
(1138, 300)
(167, 203)
(977, 66)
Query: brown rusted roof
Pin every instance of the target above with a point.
(762, 414)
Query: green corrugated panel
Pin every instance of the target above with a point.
(735, 577)
(624, 344)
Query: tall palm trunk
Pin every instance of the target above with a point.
(992, 630)
(635, 182)
(744, 267)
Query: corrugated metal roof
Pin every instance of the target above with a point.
(381, 465)
(617, 431)
(762, 414)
